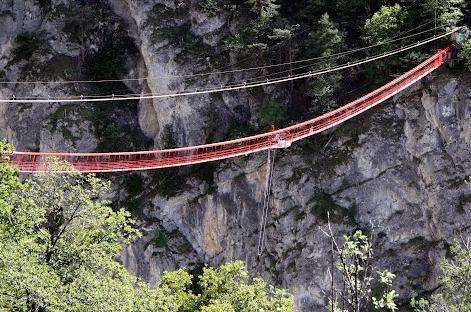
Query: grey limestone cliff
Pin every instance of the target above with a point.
(400, 171)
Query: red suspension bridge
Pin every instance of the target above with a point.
(30, 162)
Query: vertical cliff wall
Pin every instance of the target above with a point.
(401, 171)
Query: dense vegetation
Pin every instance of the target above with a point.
(58, 248)
(59, 243)
(285, 30)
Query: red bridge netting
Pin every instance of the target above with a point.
(145, 160)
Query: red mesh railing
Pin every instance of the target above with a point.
(131, 161)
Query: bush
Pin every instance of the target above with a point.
(58, 249)
(160, 239)
(454, 294)
(272, 113)
(465, 53)
(25, 45)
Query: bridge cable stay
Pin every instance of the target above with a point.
(266, 201)
(233, 71)
(282, 138)
(232, 87)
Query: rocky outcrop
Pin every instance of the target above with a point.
(400, 171)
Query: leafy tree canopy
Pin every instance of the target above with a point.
(447, 12)
(454, 294)
(384, 24)
(58, 247)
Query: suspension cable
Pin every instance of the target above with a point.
(332, 56)
(228, 87)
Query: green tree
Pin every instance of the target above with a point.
(324, 41)
(58, 248)
(363, 288)
(384, 24)
(454, 293)
(447, 12)
(58, 245)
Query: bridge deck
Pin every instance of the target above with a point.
(145, 160)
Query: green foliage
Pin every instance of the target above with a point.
(272, 113)
(384, 24)
(455, 279)
(324, 41)
(230, 288)
(265, 9)
(25, 45)
(160, 239)
(447, 12)
(465, 53)
(210, 6)
(354, 264)
(321, 92)
(58, 245)
(234, 43)
(239, 130)
(58, 248)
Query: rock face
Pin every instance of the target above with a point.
(401, 171)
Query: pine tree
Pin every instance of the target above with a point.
(266, 9)
(384, 24)
(323, 41)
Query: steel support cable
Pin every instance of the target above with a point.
(235, 87)
(266, 202)
(106, 162)
(335, 55)
(151, 95)
(327, 56)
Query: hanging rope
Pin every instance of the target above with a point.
(266, 201)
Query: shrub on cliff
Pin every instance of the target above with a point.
(454, 292)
